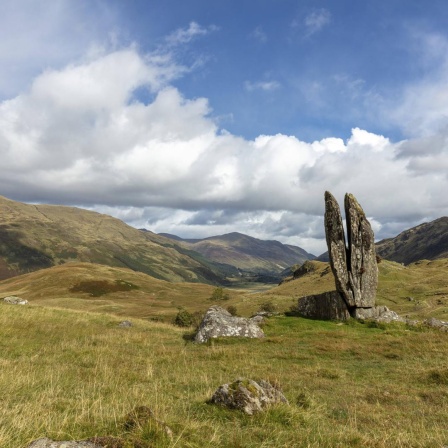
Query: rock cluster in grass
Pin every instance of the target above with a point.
(354, 266)
(248, 395)
(14, 300)
(218, 322)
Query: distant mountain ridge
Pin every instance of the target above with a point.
(247, 253)
(33, 237)
(426, 241)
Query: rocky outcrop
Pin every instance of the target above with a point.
(218, 322)
(14, 300)
(326, 306)
(248, 395)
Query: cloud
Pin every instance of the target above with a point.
(259, 35)
(185, 35)
(316, 20)
(266, 86)
(81, 136)
(34, 37)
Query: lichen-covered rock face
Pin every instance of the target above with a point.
(337, 250)
(354, 265)
(14, 300)
(326, 306)
(218, 322)
(363, 272)
(248, 396)
(48, 443)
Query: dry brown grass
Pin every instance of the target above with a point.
(73, 375)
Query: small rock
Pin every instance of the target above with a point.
(125, 323)
(48, 443)
(218, 322)
(14, 300)
(436, 323)
(248, 396)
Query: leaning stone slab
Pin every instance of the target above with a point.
(248, 395)
(14, 300)
(218, 322)
(48, 443)
(363, 272)
(326, 306)
(337, 251)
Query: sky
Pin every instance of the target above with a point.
(205, 117)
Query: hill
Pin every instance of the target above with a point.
(92, 287)
(246, 253)
(419, 290)
(33, 237)
(426, 241)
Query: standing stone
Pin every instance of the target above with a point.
(363, 271)
(354, 265)
(337, 250)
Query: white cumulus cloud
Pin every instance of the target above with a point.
(81, 136)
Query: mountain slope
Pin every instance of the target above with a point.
(247, 253)
(33, 237)
(425, 241)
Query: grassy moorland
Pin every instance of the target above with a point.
(419, 290)
(68, 374)
(67, 371)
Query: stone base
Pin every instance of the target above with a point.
(378, 313)
(326, 306)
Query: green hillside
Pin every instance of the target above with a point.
(33, 237)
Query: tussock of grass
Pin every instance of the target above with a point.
(75, 375)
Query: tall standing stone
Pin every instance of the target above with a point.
(354, 265)
(337, 250)
(362, 264)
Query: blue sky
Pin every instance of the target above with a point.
(203, 117)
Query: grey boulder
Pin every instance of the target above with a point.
(14, 300)
(218, 322)
(248, 395)
(326, 306)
